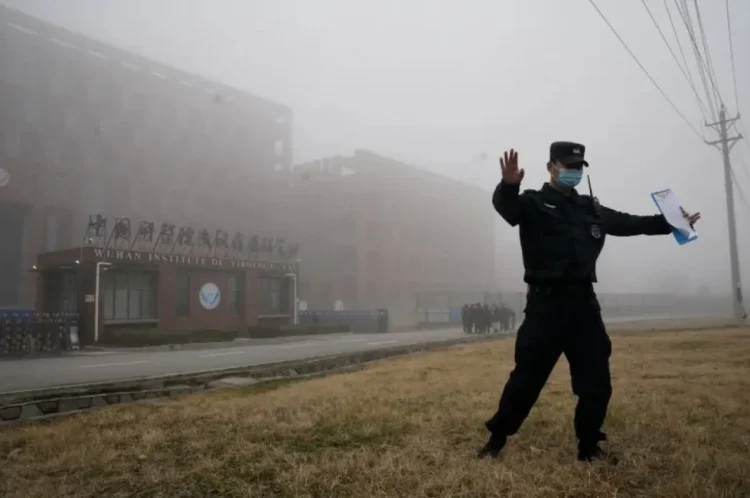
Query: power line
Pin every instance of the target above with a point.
(707, 53)
(731, 53)
(734, 75)
(664, 38)
(645, 71)
(685, 16)
(686, 71)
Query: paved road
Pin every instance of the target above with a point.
(103, 366)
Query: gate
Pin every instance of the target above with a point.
(27, 332)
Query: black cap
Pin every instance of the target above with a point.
(568, 153)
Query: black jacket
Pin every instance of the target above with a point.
(563, 235)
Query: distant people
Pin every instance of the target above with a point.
(507, 319)
(473, 318)
(486, 319)
(495, 311)
(465, 318)
(511, 320)
(479, 319)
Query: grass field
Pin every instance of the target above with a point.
(409, 427)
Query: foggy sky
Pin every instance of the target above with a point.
(435, 83)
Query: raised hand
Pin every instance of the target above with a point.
(691, 218)
(509, 168)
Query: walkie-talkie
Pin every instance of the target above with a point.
(594, 200)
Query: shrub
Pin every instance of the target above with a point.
(134, 338)
(261, 331)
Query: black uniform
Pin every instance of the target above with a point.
(465, 318)
(561, 238)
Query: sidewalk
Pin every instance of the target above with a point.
(238, 342)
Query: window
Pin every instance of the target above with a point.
(182, 298)
(271, 296)
(129, 295)
(235, 294)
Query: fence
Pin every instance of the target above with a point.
(357, 320)
(26, 332)
(618, 306)
(436, 315)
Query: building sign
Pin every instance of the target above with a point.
(187, 240)
(185, 260)
(209, 296)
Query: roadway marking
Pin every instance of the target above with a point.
(113, 364)
(381, 342)
(225, 353)
(299, 344)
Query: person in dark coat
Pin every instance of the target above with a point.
(465, 319)
(495, 312)
(507, 318)
(562, 234)
(486, 318)
(476, 320)
(510, 320)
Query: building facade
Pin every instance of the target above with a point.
(383, 234)
(168, 291)
(88, 129)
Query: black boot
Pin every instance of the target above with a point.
(596, 454)
(492, 448)
(589, 450)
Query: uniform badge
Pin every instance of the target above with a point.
(595, 232)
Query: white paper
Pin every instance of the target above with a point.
(672, 210)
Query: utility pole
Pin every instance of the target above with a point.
(726, 142)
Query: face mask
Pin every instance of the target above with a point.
(569, 177)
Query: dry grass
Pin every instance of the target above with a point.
(409, 428)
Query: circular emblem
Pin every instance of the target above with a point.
(209, 296)
(4, 177)
(595, 232)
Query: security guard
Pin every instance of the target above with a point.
(562, 234)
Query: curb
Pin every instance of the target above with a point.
(40, 404)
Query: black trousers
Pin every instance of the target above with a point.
(556, 324)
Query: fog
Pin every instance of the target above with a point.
(441, 84)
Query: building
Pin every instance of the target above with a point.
(171, 291)
(385, 234)
(88, 129)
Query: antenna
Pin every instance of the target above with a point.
(594, 200)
